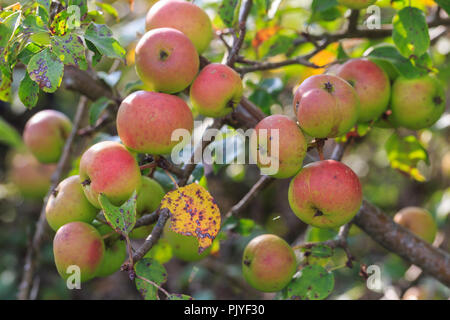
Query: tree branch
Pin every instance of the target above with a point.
(238, 42)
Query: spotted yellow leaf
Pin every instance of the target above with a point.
(193, 212)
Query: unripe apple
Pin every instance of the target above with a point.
(326, 106)
(216, 91)
(356, 4)
(166, 60)
(45, 134)
(371, 84)
(419, 221)
(184, 247)
(68, 203)
(146, 121)
(268, 263)
(32, 178)
(417, 103)
(78, 244)
(148, 201)
(183, 16)
(288, 151)
(109, 168)
(115, 251)
(325, 194)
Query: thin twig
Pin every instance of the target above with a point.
(237, 45)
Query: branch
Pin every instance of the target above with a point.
(237, 43)
(41, 225)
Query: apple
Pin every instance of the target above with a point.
(419, 221)
(326, 106)
(109, 168)
(356, 4)
(417, 103)
(268, 263)
(325, 194)
(78, 244)
(146, 121)
(166, 60)
(416, 293)
(216, 91)
(183, 16)
(371, 84)
(68, 203)
(45, 134)
(291, 145)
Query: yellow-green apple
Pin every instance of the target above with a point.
(78, 244)
(109, 168)
(356, 4)
(216, 91)
(45, 134)
(325, 194)
(68, 203)
(326, 106)
(419, 221)
(183, 16)
(147, 201)
(184, 247)
(146, 121)
(166, 60)
(371, 84)
(278, 143)
(268, 263)
(31, 177)
(417, 103)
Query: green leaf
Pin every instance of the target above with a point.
(70, 50)
(263, 6)
(101, 37)
(45, 4)
(324, 10)
(8, 28)
(123, 218)
(33, 24)
(178, 296)
(97, 55)
(341, 54)
(46, 70)
(313, 283)
(151, 270)
(5, 84)
(82, 4)
(404, 153)
(28, 91)
(242, 226)
(9, 135)
(97, 108)
(28, 52)
(108, 9)
(322, 5)
(321, 251)
(278, 44)
(444, 4)
(410, 32)
(229, 12)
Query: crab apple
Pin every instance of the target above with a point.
(78, 244)
(68, 203)
(356, 4)
(108, 167)
(417, 103)
(184, 247)
(115, 251)
(166, 60)
(419, 221)
(32, 178)
(45, 134)
(291, 145)
(268, 263)
(325, 194)
(146, 121)
(183, 16)
(326, 106)
(216, 91)
(148, 200)
(371, 84)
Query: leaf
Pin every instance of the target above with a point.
(151, 270)
(444, 4)
(97, 55)
(410, 33)
(101, 37)
(229, 11)
(321, 251)
(8, 28)
(123, 218)
(60, 23)
(404, 153)
(263, 6)
(28, 52)
(9, 135)
(242, 226)
(108, 9)
(45, 4)
(97, 108)
(46, 70)
(178, 296)
(324, 10)
(81, 4)
(5, 84)
(70, 50)
(28, 91)
(278, 44)
(193, 213)
(313, 283)
(33, 24)
(341, 54)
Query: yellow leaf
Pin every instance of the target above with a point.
(193, 212)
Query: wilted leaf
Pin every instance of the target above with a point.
(193, 213)
(123, 218)
(313, 283)
(70, 50)
(151, 270)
